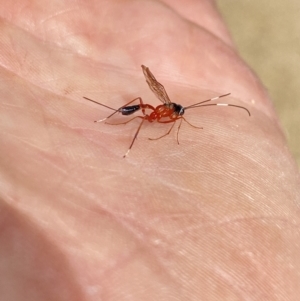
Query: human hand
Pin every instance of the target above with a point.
(215, 218)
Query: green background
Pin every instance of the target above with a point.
(267, 34)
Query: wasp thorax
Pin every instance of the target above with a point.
(178, 109)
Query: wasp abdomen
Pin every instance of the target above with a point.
(128, 110)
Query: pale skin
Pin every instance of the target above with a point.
(214, 218)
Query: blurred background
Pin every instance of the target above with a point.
(267, 34)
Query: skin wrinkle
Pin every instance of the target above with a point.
(182, 195)
(190, 23)
(56, 166)
(56, 14)
(14, 106)
(118, 263)
(183, 79)
(229, 280)
(48, 80)
(188, 230)
(47, 150)
(213, 223)
(205, 14)
(138, 233)
(30, 82)
(131, 256)
(27, 142)
(181, 191)
(177, 188)
(146, 245)
(21, 61)
(26, 79)
(204, 215)
(250, 186)
(248, 196)
(132, 194)
(236, 282)
(251, 159)
(259, 270)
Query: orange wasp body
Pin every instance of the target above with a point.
(168, 112)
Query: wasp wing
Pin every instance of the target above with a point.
(157, 88)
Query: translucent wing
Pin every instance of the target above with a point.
(157, 88)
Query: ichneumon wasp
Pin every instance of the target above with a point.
(167, 112)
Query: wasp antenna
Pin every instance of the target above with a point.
(101, 104)
(214, 98)
(224, 105)
(236, 106)
(207, 100)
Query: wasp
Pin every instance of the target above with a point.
(167, 112)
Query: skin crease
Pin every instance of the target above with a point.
(214, 218)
